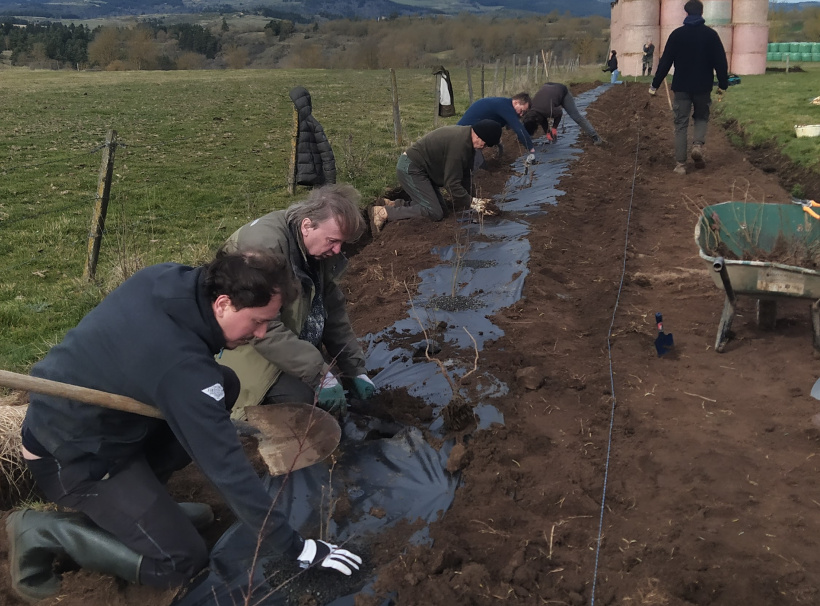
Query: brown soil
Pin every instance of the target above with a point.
(618, 476)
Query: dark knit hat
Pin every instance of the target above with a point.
(693, 7)
(488, 131)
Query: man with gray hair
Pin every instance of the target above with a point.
(288, 363)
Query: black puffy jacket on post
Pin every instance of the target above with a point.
(315, 164)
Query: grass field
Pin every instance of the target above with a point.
(769, 106)
(203, 152)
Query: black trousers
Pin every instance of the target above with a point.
(129, 499)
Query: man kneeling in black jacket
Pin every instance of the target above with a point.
(152, 339)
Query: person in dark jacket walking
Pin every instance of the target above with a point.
(441, 158)
(548, 103)
(612, 66)
(698, 55)
(153, 339)
(288, 363)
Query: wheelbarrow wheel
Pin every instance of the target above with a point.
(766, 314)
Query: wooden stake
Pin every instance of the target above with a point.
(469, 85)
(668, 96)
(294, 140)
(396, 114)
(437, 94)
(101, 205)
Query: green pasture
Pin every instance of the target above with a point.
(202, 152)
(768, 107)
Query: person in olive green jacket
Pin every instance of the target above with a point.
(288, 364)
(441, 158)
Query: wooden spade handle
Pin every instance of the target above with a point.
(74, 392)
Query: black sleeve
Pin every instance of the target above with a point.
(191, 397)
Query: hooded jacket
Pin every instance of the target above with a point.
(260, 363)
(697, 54)
(315, 164)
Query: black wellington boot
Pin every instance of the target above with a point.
(38, 538)
(200, 514)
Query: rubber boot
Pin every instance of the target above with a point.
(38, 538)
(200, 514)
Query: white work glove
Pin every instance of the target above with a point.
(485, 206)
(652, 90)
(530, 159)
(329, 555)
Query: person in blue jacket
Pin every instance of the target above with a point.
(153, 339)
(504, 110)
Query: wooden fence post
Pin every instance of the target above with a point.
(535, 70)
(495, 79)
(396, 114)
(101, 205)
(504, 81)
(482, 80)
(469, 85)
(514, 73)
(294, 140)
(437, 95)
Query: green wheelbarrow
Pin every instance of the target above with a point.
(765, 251)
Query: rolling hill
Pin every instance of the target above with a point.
(299, 11)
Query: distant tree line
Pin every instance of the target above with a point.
(789, 25)
(231, 41)
(47, 42)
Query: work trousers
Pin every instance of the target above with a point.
(425, 197)
(128, 499)
(580, 120)
(288, 390)
(646, 68)
(684, 105)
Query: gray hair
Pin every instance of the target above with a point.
(339, 201)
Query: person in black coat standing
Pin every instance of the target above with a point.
(648, 58)
(697, 54)
(612, 66)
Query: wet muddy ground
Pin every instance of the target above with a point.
(618, 476)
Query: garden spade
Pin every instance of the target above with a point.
(289, 436)
(664, 342)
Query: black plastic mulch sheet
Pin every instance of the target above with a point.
(397, 478)
(388, 474)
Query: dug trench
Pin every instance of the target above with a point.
(617, 476)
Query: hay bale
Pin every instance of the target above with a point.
(15, 480)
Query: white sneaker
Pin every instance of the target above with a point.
(680, 168)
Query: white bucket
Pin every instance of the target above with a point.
(807, 130)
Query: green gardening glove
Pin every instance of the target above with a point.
(363, 387)
(331, 395)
